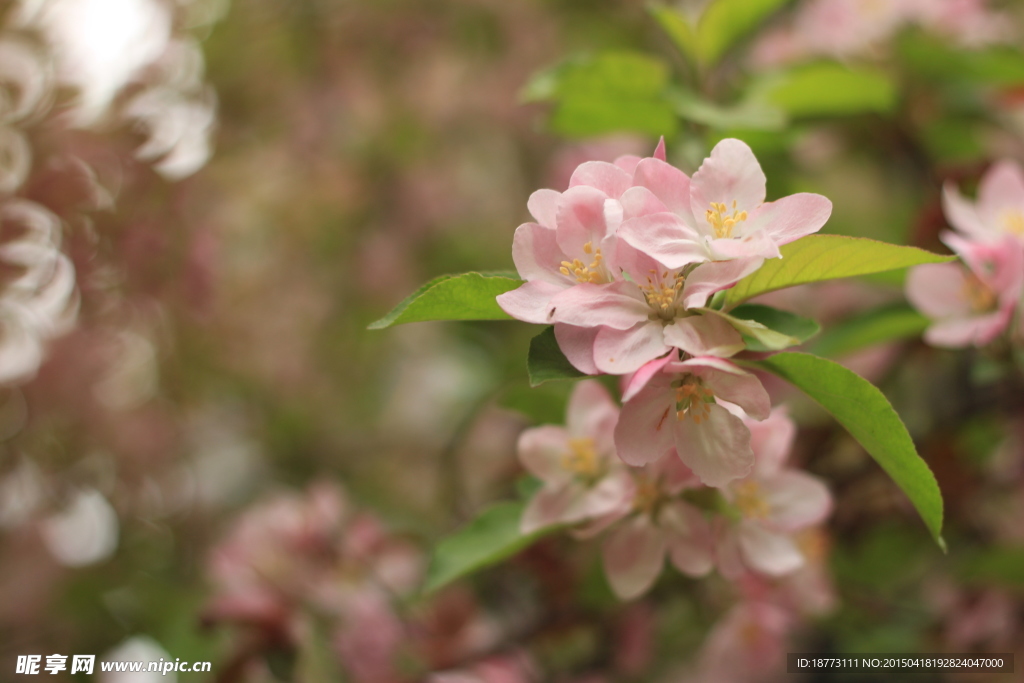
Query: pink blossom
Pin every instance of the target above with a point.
(649, 314)
(999, 209)
(582, 477)
(772, 503)
(971, 305)
(720, 214)
(747, 644)
(672, 404)
(659, 524)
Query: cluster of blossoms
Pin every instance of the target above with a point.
(974, 302)
(296, 565)
(625, 265)
(857, 28)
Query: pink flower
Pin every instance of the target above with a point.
(672, 404)
(999, 209)
(748, 644)
(720, 214)
(582, 477)
(649, 314)
(971, 305)
(660, 524)
(772, 504)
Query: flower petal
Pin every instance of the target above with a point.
(591, 411)
(704, 335)
(796, 500)
(731, 384)
(536, 254)
(639, 201)
(543, 206)
(577, 344)
(619, 352)
(771, 440)
(753, 242)
(768, 552)
(581, 220)
(689, 538)
(633, 557)
(608, 178)
(665, 238)
(644, 432)
(540, 451)
(939, 290)
(792, 217)
(531, 302)
(645, 374)
(962, 214)
(1001, 191)
(619, 305)
(730, 174)
(708, 278)
(717, 449)
(668, 184)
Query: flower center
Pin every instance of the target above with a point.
(661, 293)
(647, 497)
(722, 221)
(751, 501)
(1013, 221)
(584, 273)
(693, 399)
(581, 459)
(982, 298)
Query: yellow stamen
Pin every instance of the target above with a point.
(1013, 221)
(693, 399)
(751, 501)
(722, 221)
(982, 297)
(661, 293)
(582, 460)
(582, 272)
(647, 496)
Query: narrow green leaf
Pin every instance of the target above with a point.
(487, 540)
(790, 324)
(885, 324)
(678, 29)
(546, 360)
(869, 417)
(755, 333)
(470, 296)
(827, 257)
(725, 22)
(830, 89)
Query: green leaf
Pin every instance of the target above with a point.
(940, 60)
(748, 114)
(827, 257)
(678, 29)
(614, 91)
(489, 539)
(546, 361)
(724, 22)
(829, 89)
(790, 324)
(721, 25)
(470, 296)
(755, 333)
(869, 417)
(885, 324)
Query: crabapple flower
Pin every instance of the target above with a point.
(772, 503)
(722, 209)
(583, 479)
(650, 313)
(747, 644)
(658, 524)
(999, 209)
(672, 404)
(973, 304)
